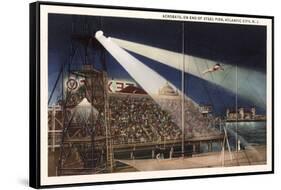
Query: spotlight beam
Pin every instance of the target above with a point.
(147, 78)
(253, 82)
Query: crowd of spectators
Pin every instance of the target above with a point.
(141, 119)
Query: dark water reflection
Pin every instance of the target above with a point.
(249, 133)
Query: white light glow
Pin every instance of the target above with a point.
(99, 33)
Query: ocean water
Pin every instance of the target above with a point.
(249, 133)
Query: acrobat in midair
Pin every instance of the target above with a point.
(216, 67)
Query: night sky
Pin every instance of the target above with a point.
(225, 43)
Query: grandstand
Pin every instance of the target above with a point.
(138, 118)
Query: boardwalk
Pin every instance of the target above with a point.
(249, 156)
